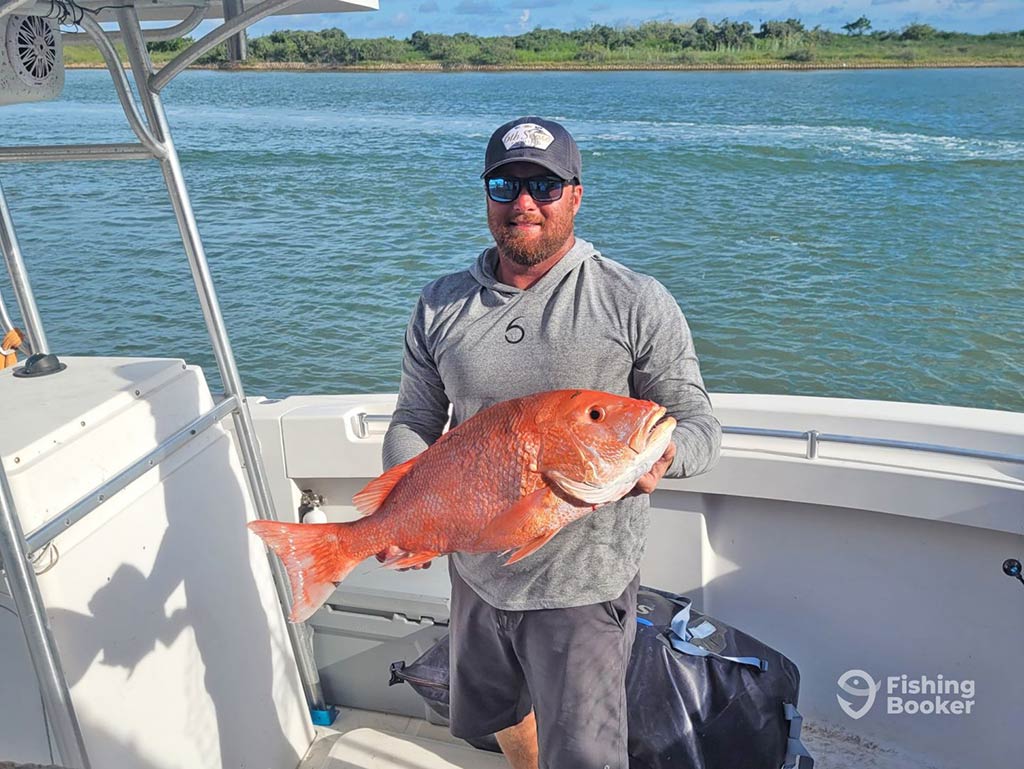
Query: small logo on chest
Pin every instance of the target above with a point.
(514, 333)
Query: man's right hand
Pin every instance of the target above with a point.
(393, 551)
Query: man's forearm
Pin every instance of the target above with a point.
(403, 442)
(698, 442)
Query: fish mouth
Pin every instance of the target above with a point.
(642, 437)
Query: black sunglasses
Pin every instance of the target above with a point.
(543, 189)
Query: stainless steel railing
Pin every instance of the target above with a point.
(150, 126)
(364, 420)
(42, 648)
(7, 324)
(19, 279)
(812, 438)
(42, 536)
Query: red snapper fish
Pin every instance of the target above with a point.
(507, 479)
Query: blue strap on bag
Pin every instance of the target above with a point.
(683, 636)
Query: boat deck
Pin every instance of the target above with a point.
(361, 739)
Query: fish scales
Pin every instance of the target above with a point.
(507, 479)
(469, 500)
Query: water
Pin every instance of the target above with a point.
(853, 234)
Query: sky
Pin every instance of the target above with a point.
(400, 18)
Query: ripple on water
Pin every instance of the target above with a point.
(823, 236)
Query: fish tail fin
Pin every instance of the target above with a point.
(315, 557)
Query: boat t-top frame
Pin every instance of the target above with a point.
(154, 143)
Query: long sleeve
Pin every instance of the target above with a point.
(666, 370)
(422, 408)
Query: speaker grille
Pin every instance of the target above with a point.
(32, 49)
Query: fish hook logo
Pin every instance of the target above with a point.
(850, 682)
(514, 333)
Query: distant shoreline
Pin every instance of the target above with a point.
(576, 67)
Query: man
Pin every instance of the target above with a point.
(539, 648)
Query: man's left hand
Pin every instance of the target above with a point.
(649, 482)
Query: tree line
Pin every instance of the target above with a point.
(655, 40)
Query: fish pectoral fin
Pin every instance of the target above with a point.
(505, 531)
(372, 496)
(531, 547)
(407, 560)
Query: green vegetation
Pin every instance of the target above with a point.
(858, 27)
(653, 44)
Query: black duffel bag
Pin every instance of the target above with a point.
(700, 696)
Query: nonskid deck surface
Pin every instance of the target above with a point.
(360, 739)
(834, 748)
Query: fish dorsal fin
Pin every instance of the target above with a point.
(376, 491)
(506, 531)
(531, 547)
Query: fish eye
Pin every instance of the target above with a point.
(596, 413)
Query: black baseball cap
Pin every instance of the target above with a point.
(534, 140)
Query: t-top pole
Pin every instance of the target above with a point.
(42, 648)
(19, 279)
(142, 69)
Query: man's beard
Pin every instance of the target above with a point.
(527, 251)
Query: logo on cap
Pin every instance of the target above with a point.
(527, 135)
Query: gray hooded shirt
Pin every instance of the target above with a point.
(588, 323)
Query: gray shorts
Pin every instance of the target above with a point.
(569, 665)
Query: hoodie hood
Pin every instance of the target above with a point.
(484, 270)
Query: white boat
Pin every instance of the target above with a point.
(141, 626)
